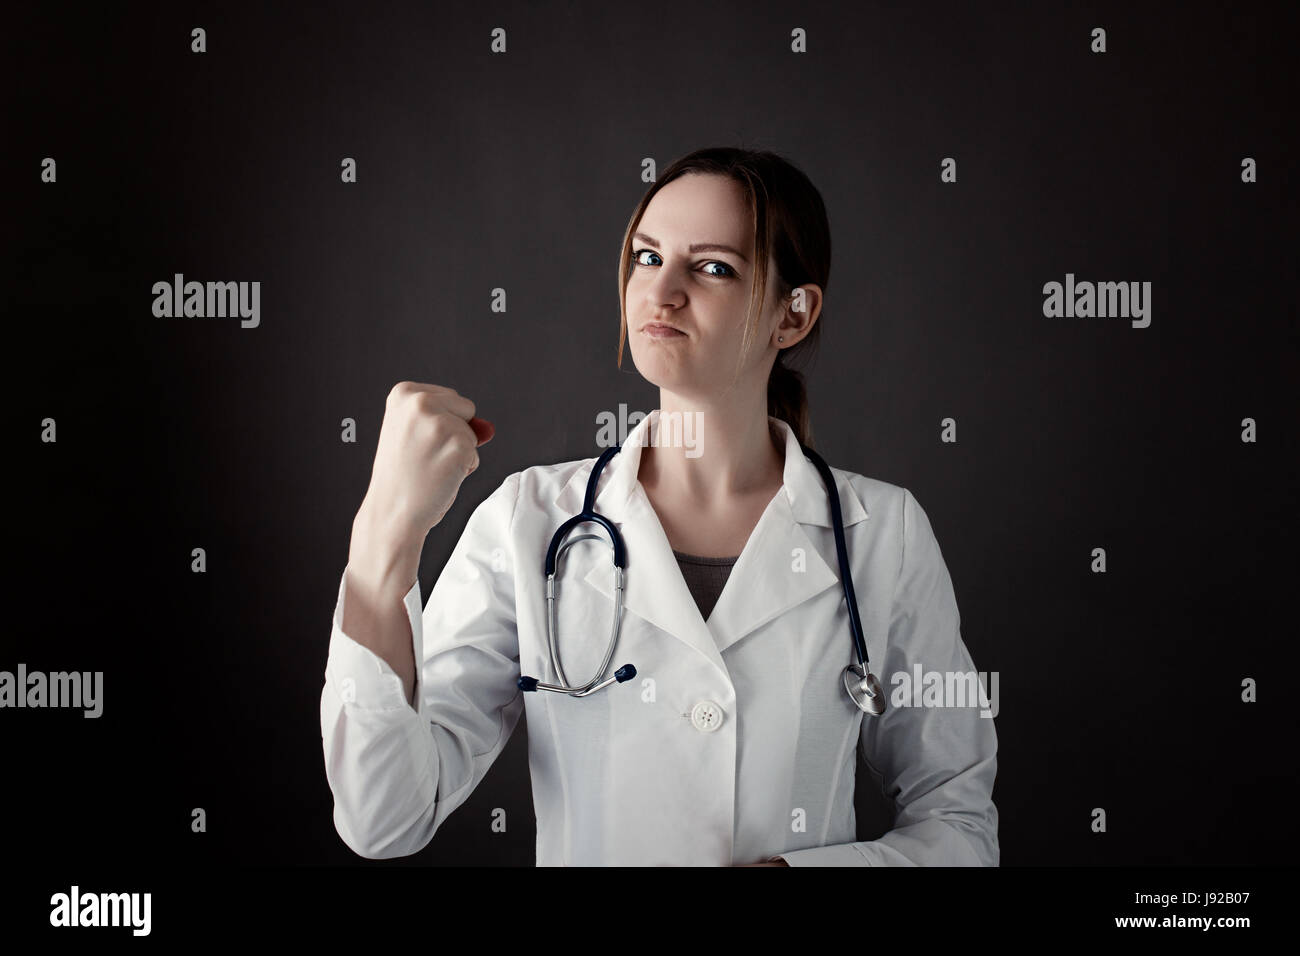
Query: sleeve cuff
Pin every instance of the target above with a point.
(843, 854)
(362, 678)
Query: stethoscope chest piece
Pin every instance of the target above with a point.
(865, 690)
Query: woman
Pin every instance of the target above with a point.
(734, 744)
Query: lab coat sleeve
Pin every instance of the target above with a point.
(936, 763)
(397, 772)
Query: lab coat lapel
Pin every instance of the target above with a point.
(653, 586)
(779, 568)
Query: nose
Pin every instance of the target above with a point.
(664, 289)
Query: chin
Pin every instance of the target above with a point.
(655, 370)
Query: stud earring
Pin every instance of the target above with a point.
(780, 338)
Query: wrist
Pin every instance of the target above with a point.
(384, 553)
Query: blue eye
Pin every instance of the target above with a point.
(729, 274)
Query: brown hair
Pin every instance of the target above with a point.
(790, 225)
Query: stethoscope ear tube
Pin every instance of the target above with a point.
(624, 673)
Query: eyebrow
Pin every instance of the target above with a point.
(697, 247)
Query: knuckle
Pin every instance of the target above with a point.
(428, 403)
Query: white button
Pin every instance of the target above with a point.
(706, 716)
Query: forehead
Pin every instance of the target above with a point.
(699, 208)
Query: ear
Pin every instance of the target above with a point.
(799, 316)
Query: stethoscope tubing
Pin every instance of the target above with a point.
(861, 686)
(841, 552)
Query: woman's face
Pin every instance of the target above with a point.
(702, 292)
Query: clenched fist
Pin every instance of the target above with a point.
(427, 446)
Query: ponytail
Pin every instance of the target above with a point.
(787, 399)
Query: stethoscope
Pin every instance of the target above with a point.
(859, 683)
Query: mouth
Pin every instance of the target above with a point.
(658, 330)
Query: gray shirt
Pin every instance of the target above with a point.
(705, 577)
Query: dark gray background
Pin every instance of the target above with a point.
(520, 171)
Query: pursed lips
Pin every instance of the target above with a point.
(658, 330)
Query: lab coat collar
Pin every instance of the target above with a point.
(778, 569)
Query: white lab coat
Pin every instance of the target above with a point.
(735, 741)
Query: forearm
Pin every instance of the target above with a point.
(383, 564)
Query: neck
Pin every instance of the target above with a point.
(734, 450)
